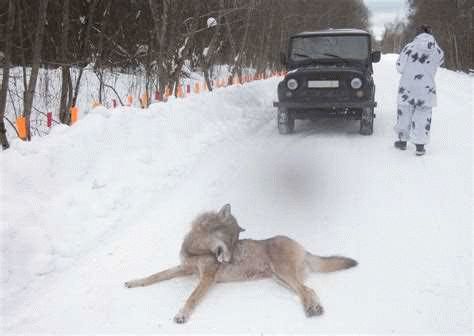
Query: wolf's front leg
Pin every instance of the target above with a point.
(205, 282)
(160, 276)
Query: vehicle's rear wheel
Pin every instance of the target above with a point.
(367, 121)
(286, 122)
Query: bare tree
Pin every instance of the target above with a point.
(160, 22)
(7, 35)
(66, 82)
(452, 25)
(36, 59)
(84, 45)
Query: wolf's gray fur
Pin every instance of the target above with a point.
(212, 250)
(217, 232)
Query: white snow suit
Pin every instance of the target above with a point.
(417, 63)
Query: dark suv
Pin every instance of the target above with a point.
(330, 76)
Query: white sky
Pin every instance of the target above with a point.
(385, 11)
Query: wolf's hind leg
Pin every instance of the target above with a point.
(308, 297)
(160, 276)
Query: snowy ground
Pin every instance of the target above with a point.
(109, 199)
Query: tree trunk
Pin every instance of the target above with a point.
(84, 53)
(66, 95)
(36, 59)
(212, 48)
(207, 79)
(6, 72)
(233, 50)
(238, 66)
(160, 34)
(456, 51)
(65, 74)
(98, 68)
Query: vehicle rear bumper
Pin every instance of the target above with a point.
(325, 106)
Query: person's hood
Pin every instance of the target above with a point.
(425, 43)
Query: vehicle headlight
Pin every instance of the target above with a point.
(292, 84)
(356, 83)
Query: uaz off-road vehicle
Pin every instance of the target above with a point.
(329, 76)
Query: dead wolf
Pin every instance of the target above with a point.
(212, 250)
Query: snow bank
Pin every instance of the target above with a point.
(62, 194)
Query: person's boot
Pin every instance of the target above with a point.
(420, 150)
(402, 145)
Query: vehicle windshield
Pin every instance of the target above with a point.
(329, 47)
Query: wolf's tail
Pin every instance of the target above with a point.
(328, 264)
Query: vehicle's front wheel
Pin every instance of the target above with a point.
(286, 122)
(367, 121)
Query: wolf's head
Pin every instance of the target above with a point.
(213, 233)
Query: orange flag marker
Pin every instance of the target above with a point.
(21, 127)
(74, 111)
(197, 88)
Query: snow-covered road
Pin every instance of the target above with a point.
(91, 206)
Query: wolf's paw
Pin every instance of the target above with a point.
(314, 310)
(131, 284)
(181, 318)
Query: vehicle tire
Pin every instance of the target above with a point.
(286, 122)
(367, 121)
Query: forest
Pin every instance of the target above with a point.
(149, 38)
(161, 42)
(452, 25)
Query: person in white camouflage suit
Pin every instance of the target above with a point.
(417, 63)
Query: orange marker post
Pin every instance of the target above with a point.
(167, 91)
(197, 88)
(144, 100)
(21, 127)
(180, 91)
(129, 100)
(74, 111)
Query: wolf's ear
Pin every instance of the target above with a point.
(225, 211)
(241, 229)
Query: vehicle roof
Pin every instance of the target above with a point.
(330, 31)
